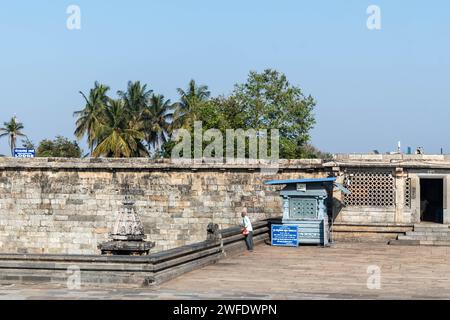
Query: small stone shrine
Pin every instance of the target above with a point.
(128, 236)
(305, 205)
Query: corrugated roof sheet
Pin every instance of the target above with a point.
(275, 182)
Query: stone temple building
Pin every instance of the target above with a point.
(391, 193)
(394, 189)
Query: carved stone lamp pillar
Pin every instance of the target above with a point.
(128, 236)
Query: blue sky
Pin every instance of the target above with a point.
(373, 88)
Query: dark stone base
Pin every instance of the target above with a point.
(121, 267)
(129, 248)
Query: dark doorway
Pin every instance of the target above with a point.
(432, 200)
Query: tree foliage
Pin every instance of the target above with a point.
(140, 122)
(119, 137)
(269, 101)
(119, 127)
(12, 130)
(190, 100)
(265, 101)
(90, 118)
(28, 144)
(60, 147)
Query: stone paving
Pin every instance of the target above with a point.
(339, 272)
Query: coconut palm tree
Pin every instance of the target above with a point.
(184, 116)
(116, 137)
(135, 99)
(90, 117)
(157, 118)
(12, 129)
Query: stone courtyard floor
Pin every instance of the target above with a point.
(339, 272)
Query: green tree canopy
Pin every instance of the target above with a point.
(140, 122)
(60, 147)
(90, 117)
(157, 117)
(190, 100)
(118, 137)
(268, 101)
(27, 143)
(265, 101)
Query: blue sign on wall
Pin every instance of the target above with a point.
(284, 235)
(24, 153)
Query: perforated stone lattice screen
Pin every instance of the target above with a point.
(303, 208)
(370, 189)
(408, 193)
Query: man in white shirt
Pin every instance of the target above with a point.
(247, 230)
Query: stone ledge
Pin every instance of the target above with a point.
(149, 164)
(110, 164)
(390, 161)
(400, 225)
(380, 228)
(153, 269)
(382, 232)
(391, 157)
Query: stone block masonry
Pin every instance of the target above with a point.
(66, 206)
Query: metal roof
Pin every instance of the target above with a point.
(275, 182)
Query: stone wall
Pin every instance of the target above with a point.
(69, 206)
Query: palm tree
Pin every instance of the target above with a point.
(184, 116)
(135, 99)
(90, 117)
(12, 129)
(116, 137)
(157, 118)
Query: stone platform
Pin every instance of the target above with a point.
(144, 270)
(339, 272)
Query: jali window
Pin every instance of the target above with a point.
(370, 189)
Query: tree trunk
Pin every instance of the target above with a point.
(12, 143)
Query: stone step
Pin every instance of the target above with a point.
(430, 229)
(427, 233)
(431, 226)
(419, 243)
(425, 238)
(435, 243)
(404, 242)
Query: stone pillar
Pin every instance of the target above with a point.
(337, 194)
(399, 195)
(338, 198)
(415, 199)
(446, 218)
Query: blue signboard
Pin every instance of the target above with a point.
(284, 235)
(24, 153)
